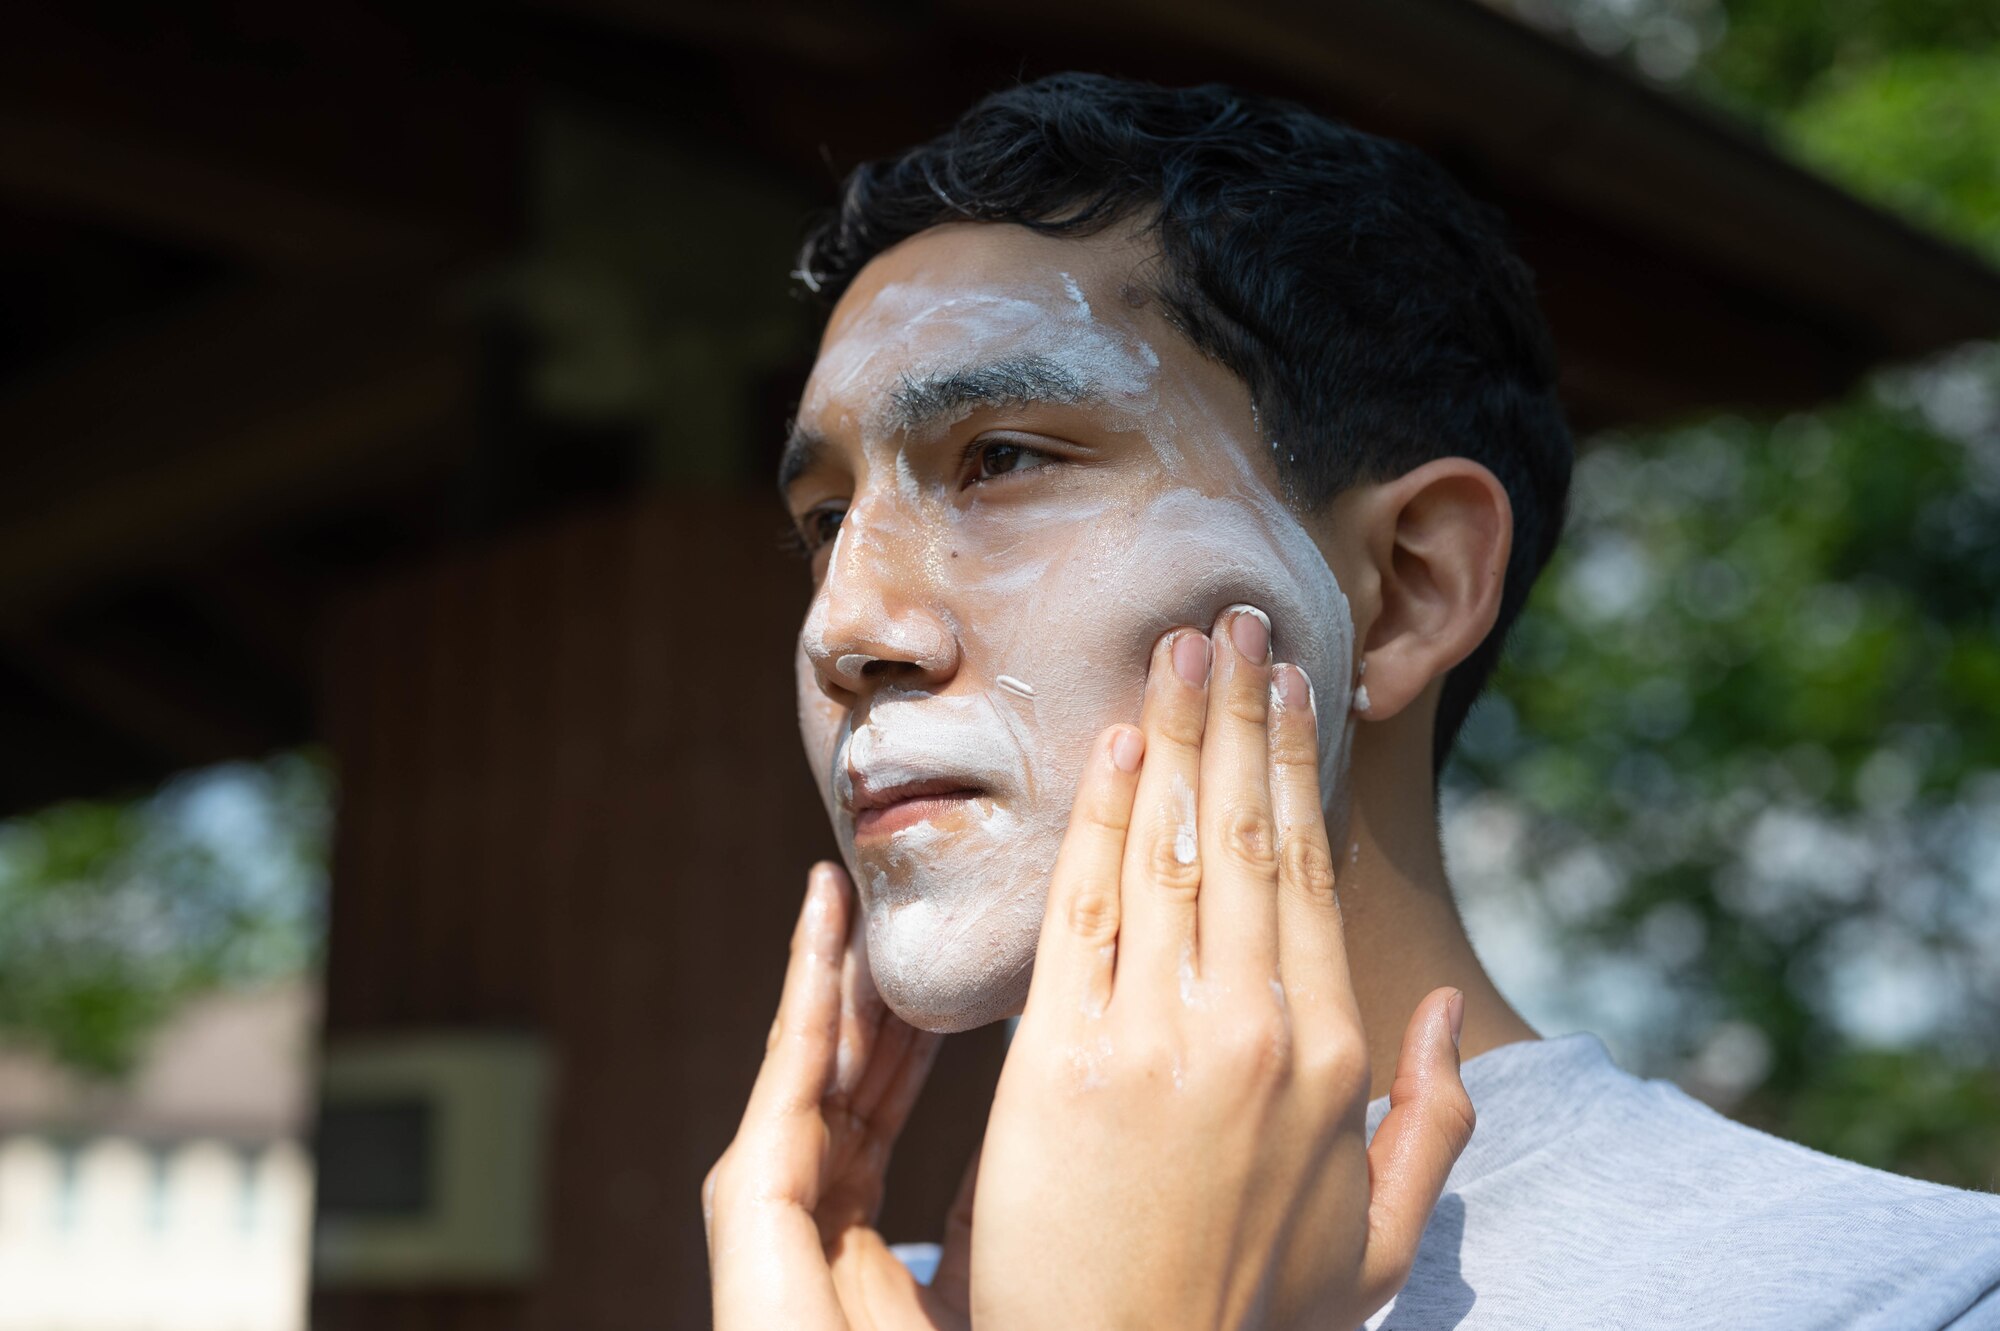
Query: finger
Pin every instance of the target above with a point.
(1074, 959)
(892, 1043)
(952, 1284)
(1238, 908)
(1312, 938)
(890, 1110)
(767, 1265)
(896, 1075)
(869, 1130)
(1429, 1122)
(799, 1056)
(1160, 879)
(861, 1009)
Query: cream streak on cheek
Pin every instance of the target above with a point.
(954, 905)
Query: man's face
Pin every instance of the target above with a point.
(1013, 476)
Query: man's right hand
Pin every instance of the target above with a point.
(790, 1207)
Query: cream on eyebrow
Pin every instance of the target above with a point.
(928, 400)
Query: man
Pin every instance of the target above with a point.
(1196, 410)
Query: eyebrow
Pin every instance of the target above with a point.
(803, 452)
(922, 402)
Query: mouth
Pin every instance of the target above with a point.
(889, 809)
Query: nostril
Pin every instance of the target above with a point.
(833, 690)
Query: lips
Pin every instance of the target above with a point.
(880, 811)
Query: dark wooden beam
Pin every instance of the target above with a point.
(56, 751)
(1524, 116)
(322, 136)
(1558, 122)
(260, 602)
(187, 725)
(237, 418)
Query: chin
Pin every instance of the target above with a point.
(946, 985)
(953, 916)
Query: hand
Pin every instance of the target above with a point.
(790, 1207)
(1178, 1135)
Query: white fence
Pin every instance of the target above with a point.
(110, 1234)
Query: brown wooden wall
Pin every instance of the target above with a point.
(573, 802)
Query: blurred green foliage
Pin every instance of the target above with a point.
(1918, 131)
(112, 913)
(1745, 754)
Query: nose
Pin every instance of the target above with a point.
(875, 620)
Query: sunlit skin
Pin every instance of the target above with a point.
(1420, 559)
(1017, 481)
(1077, 686)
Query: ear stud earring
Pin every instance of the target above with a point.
(1361, 697)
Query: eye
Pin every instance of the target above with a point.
(998, 457)
(818, 526)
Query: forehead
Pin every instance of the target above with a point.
(1000, 260)
(966, 294)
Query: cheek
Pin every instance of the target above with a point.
(820, 720)
(1050, 635)
(1080, 630)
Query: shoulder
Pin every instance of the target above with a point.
(1637, 1199)
(1678, 1156)
(1684, 1141)
(1790, 1226)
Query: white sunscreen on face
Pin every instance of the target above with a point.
(1068, 585)
(1015, 686)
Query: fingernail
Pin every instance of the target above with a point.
(1191, 658)
(1289, 687)
(1126, 746)
(1454, 1011)
(1250, 630)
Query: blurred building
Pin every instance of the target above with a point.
(179, 1199)
(409, 383)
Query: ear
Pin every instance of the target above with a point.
(1433, 555)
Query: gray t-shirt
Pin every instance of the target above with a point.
(1590, 1198)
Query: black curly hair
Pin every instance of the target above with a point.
(1374, 309)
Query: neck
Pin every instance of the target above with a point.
(1404, 934)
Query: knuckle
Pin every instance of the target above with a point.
(1460, 1117)
(1295, 749)
(1249, 837)
(1307, 866)
(1178, 724)
(1248, 702)
(1106, 816)
(1259, 1044)
(1338, 1063)
(1172, 864)
(1093, 915)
